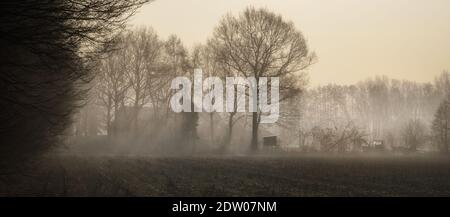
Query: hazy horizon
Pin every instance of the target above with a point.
(353, 39)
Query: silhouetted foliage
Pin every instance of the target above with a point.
(48, 51)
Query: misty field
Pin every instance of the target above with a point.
(232, 176)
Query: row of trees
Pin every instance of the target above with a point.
(132, 90)
(400, 113)
(137, 76)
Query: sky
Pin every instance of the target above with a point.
(353, 39)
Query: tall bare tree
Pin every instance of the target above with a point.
(112, 85)
(259, 43)
(144, 50)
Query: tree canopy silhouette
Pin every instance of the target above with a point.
(48, 50)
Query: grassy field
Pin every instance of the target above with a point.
(232, 176)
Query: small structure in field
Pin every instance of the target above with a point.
(270, 142)
(378, 145)
(375, 145)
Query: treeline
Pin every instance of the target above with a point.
(399, 113)
(130, 96)
(132, 89)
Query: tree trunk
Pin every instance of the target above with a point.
(136, 120)
(115, 122)
(108, 121)
(229, 131)
(254, 142)
(211, 126)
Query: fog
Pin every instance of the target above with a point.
(330, 118)
(128, 111)
(96, 105)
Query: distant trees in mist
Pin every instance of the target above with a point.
(133, 83)
(403, 114)
(132, 92)
(256, 44)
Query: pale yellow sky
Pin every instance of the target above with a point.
(354, 39)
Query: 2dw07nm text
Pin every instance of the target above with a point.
(246, 206)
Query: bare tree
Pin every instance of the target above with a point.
(414, 134)
(260, 43)
(339, 138)
(144, 50)
(112, 85)
(174, 62)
